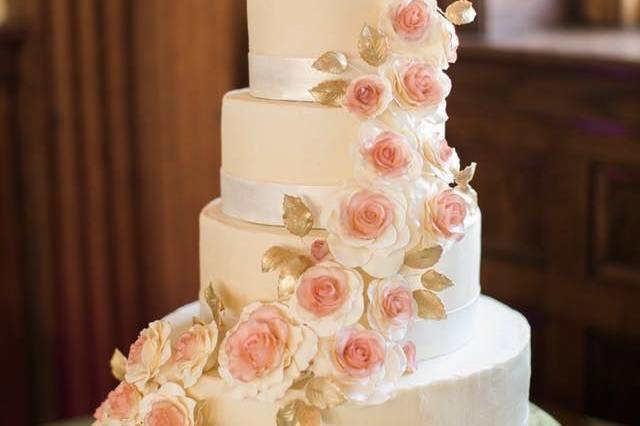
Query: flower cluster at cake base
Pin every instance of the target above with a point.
(337, 333)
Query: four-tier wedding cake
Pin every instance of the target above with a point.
(340, 267)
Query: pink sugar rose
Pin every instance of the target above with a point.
(366, 215)
(445, 152)
(368, 96)
(397, 305)
(328, 297)
(164, 413)
(359, 353)
(410, 21)
(266, 350)
(319, 250)
(392, 308)
(448, 212)
(409, 349)
(168, 406)
(191, 353)
(121, 405)
(388, 155)
(322, 291)
(418, 85)
(256, 347)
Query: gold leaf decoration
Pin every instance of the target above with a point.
(215, 303)
(332, 62)
(308, 416)
(464, 177)
(197, 321)
(323, 393)
(429, 305)
(286, 415)
(288, 264)
(302, 381)
(297, 216)
(373, 46)
(330, 93)
(435, 281)
(423, 259)
(461, 12)
(118, 364)
(201, 413)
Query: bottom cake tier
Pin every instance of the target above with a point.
(484, 383)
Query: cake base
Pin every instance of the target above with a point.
(484, 383)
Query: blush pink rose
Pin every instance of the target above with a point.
(368, 96)
(410, 21)
(388, 155)
(322, 291)
(256, 347)
(418, 85)
(366, 215)
(360, 353)
(319, 250)
(121, 404)
(164, 413)
(409, 349)
(135, 350)
(445, 151)
(397, 305)
(449, 211)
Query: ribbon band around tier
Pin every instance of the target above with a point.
(261, 202)
(288, 79)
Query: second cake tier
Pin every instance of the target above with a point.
(231, 252)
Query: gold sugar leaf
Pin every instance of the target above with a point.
(423, 259)
(287, 415)
(330, 92)
(118, 365)
(332, 62)
(323, 393)
(297, 216)
(464, 177)
(435, 281)
(201, 413)
(461, 12)
(373, 46)
(429, 305)
(215, 303)
(302, 381)
(288, 264)
(197, 321)
(308, 416)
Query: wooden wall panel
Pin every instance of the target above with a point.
(119, 118)
(556, 138)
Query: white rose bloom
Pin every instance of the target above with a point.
(328, 297)
(265, 352)
(368, 228)
(362, 363)
(191, 353)
(168, 405)
(392, 308)
(147, 356)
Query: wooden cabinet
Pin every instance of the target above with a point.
(556, 133)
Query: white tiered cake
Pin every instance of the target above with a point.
(340, 268)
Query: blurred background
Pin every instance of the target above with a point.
(109, 147)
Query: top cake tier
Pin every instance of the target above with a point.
(308, 28)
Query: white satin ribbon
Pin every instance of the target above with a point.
(287, 79)
(261, 202)
(436, 338)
